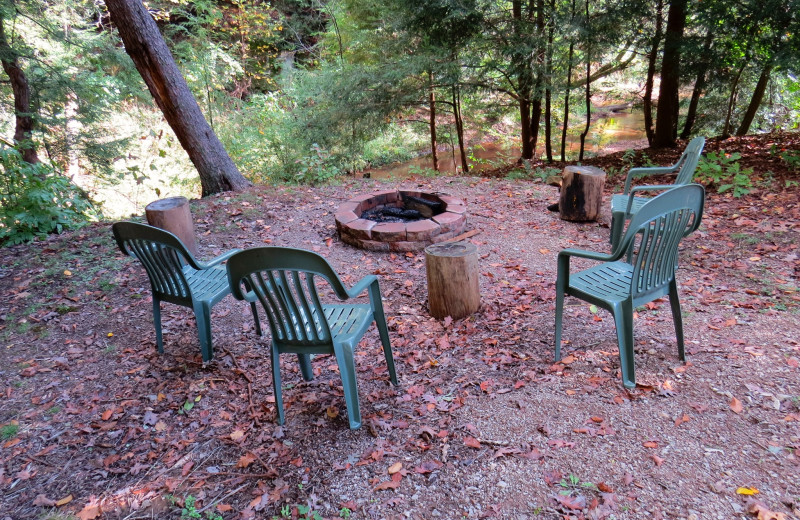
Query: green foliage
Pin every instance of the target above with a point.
(8, 431)
(189, 509)
(722, 171)
(35, 200)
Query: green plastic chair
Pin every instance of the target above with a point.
(650, 246)
(284, 281)
(625, 205)
(177, 277)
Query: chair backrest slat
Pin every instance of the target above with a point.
(655, 234)
(291, 302)
(161, 254)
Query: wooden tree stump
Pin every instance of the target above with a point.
(173, 215)
(452, 270)
(581, 193)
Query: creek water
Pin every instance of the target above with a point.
(611, 132)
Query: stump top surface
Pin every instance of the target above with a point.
(165, 204)
(585, 170)
(451, 249)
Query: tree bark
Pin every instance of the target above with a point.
(699, 86)
(432, 104)
(149, 52)
(647, 100)
(667, 112)
(568, 87)
(23, 129)
(755, 101)
(588, 87)
(460, 128)
(452, 275)
(726, 128)
(522, 70)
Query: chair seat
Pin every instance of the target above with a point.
(348, 322)
(607, 282)
(208, 285)
(619, 203)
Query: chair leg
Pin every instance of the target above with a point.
(675, 303)
(347, 369)
(623, 319)
(202, 314)
(305, 366)
(254, 310)
(276, 382)
(383, 331)
(559, 318)
(157, 323)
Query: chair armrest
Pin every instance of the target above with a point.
(582, 253)
(636, 172)
(362, 285)
(218, 260)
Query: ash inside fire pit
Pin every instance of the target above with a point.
(411, 209)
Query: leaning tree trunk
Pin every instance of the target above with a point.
(699, 86)
(726, 127)
(755, 101)
(647, 100)
(23, 128)
(667, 112)
(146, 47)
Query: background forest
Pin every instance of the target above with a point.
(303, 91)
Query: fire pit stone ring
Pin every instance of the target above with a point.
(443, 217)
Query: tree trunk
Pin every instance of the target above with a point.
(755, 101)
(460, 128)
(523, 74)
(667, 112)
(726, 128)
(146, 47)
(581, 196)
(699, 86)
(23, 129)
(536, 98)
(568, 88)
(432, 104)
(588, 87)
(647, 100)
(548, 94)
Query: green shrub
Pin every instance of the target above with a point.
(723, 172)
(35, 200)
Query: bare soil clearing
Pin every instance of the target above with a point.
(483, 424)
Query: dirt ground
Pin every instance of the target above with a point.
(95, 423)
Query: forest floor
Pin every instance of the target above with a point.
(95, 423)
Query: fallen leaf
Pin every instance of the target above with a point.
(237, 435)
(762, 512)
(394, 468)
(89, 512)
(736, 405)
(650, 444)
(472, 442)
(107, 414)
(746, 491)
(245, 460)
(64, 501)
(575, 503)
(390, 484)
(43, 501)
(658, 460)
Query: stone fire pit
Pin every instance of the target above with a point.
(442, 217)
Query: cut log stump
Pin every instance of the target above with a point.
(452, 270)
(581, 193)
(173, 215)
